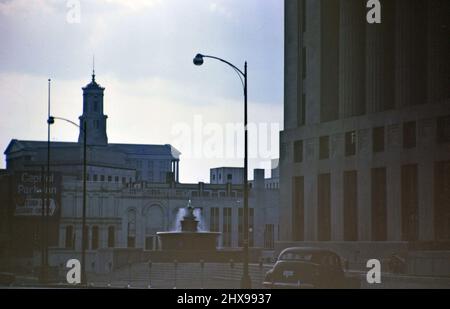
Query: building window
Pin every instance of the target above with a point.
(443, 129)
(102, 178)
(378, 139)
(350, 206)
(350, 143)
(409, 135)
(95, 238)
(298, 151)
(124, 179)
(409, 202)
(214, 219)
(324, 147)
(95, 177)
(229, 177)
(95, 106)
(109, 178)
(70, 237)
(226, 232)
(324, 207)
(269, 236)
(116, 179)
(441, 202)
(111, 237)
(131, 229)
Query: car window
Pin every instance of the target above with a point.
(294, 256)
(328, 260)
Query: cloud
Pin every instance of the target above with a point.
(221, 9)
(143, 53)
(134, 4)
(16, 7)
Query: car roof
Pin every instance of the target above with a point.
(308, 250)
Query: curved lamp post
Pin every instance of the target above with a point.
(50, 121)
(246, 282)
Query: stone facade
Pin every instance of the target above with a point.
(365, 150)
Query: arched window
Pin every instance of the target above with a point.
(95, 238)
(70, 237)
(111, 236)
(131, 229)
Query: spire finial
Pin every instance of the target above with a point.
(93, 68)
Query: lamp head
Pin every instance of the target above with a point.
(198, 60)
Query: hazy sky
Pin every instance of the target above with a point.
(143, 57)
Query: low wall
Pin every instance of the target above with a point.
(429, 263)
(97, 261)
(219, 256)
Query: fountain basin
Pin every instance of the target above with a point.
(188, 241)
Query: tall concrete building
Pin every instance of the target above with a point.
(365, 153)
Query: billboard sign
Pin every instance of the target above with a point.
(31, 193)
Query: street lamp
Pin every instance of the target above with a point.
(45, 209)
(51, 120)
(246, 282)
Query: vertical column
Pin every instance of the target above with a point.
(337, 210)
(103, 243)
(311, 206)
(313, 45)
(62, 236)
(380, 61)
(235, 226)
(178, 171)
(291, 56)
(352, 58)
(286, 200)
(364, 184)
(310, 188)
(220, 209)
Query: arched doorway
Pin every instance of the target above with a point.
(154, 222)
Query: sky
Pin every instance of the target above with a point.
(143, 57)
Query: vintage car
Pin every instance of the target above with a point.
(301, 267)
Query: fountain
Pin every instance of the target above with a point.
(189, 238)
